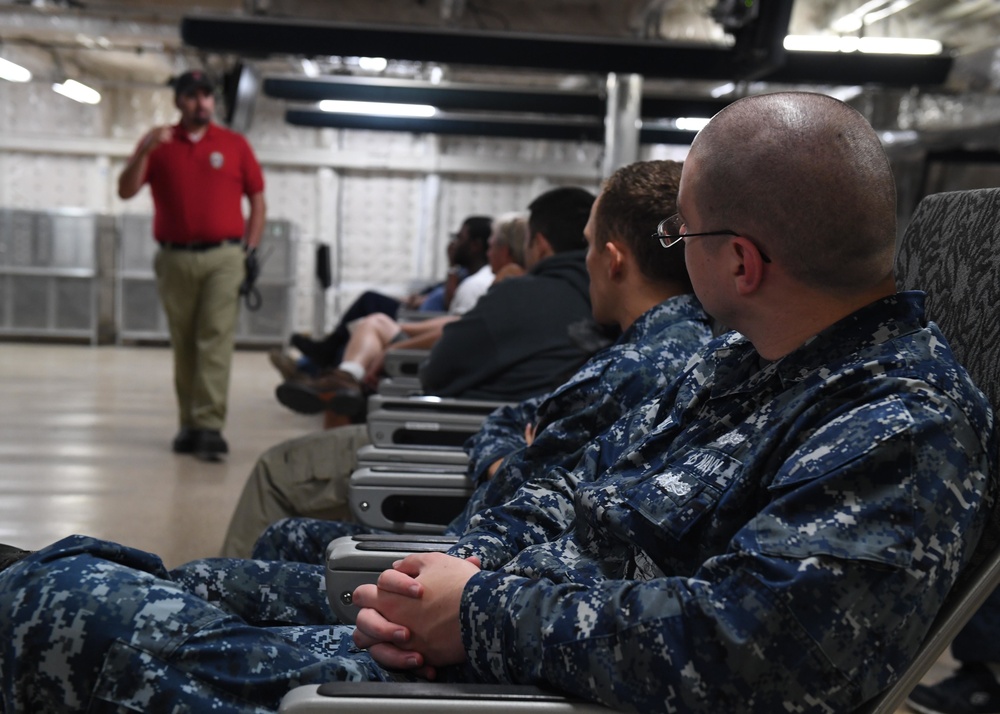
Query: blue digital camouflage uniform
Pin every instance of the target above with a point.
(651, 352)
(762, 537)
(772, 537)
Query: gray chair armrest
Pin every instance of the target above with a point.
(356, 560)
(430, 698)
(413, 499)
(400, 387)
(404, 363)
(404, 457)
(432, 422)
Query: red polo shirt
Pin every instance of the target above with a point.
(198, 187)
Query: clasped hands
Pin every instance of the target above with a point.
(410, 619)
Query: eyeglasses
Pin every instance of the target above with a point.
(668, 232)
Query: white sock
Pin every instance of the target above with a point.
(355, 369)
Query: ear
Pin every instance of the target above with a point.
(544, 248)
(616, 258)
(748, 266)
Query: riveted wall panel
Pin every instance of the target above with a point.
(136, 112)
(585, 157)
(269, 128)
(44, 181)
(33, 109)
(380, 216)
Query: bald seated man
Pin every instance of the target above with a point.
(770, 532)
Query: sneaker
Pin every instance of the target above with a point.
(209, 445)
(973, 689)
(184, 441)
(287, 366)
(336, 391)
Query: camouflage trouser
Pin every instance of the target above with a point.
(93, 626)
(302, 540)
(979, 640)
(259, 591)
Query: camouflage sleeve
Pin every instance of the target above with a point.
(577, 412)
(868, 523)
(502, 433)
(543, 506)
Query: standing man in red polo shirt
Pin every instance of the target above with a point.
(198, 173)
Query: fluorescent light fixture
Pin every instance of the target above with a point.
(899, 45)
(873, 45)
(309, 68)
(373, 64)
(690, 123)
(13, 72)
(846, 94)
(903, 136)
(379, 109)
(722, 90)
(77, 92)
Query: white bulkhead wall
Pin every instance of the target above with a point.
(385, 202)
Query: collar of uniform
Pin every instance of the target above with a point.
(679, 308)
(874, 324)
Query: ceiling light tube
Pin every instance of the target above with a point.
(899, 45)
(871, 45)
(690, 123)
(13, 72)
(77, 92)
(378, 109)
(373, 64)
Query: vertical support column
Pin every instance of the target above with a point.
(326, 303)
(621, 122)
(428, 249)
(107, 244)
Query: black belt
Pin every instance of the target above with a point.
(199, 246)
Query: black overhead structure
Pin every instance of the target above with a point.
(467, 96)
(564, 128)
(255, 36)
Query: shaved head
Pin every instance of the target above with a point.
(805, 176)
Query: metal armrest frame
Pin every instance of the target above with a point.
(357, 560)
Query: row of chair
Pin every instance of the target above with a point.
(951, 249)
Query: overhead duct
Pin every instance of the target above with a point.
(457, 124)
(565, 128)
(466, 96)
(262, 37)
